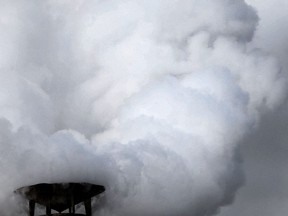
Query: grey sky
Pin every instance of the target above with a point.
(265, 151)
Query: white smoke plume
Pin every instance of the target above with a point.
(148, 98)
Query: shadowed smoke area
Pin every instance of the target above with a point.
(149, 98)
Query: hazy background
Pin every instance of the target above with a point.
(265, 151)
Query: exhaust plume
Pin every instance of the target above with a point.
(148, 98)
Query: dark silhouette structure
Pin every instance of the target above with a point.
(61, 196)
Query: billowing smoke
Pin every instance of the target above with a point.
(148, 98)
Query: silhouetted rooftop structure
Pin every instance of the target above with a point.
(61, 196)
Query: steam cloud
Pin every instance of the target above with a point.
(148, 98)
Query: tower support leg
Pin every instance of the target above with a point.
(31, 207)
(88, 207)
(48, 210)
